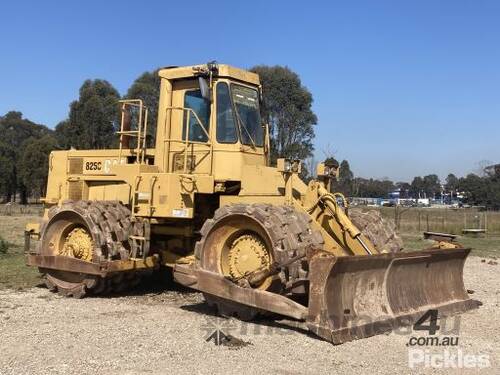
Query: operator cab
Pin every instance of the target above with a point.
(209, 121)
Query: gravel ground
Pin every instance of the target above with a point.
(165, 332)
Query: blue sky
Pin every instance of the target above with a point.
(401, 88)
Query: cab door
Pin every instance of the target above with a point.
(191, 133)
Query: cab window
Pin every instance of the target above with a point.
(194, 100)
(226, 126)
(246, 103)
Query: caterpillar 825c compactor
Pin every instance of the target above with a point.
(255, 239)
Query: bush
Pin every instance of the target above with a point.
(4, 246)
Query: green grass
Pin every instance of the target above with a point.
(4, 246)
(13, 271)
(487, 246)
(14, 274)
(12, 228)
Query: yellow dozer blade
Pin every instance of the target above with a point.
(359, 296)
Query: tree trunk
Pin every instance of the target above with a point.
(24, 196)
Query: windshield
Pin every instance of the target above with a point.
(246, 102)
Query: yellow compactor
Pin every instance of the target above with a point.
(205, 202)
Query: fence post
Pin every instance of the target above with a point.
(396, 217)
(446, 230)
(419, 221)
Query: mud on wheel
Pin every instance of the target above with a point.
(242, 238)
(92, 231)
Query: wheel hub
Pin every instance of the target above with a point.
(247, 254)
(78, 244)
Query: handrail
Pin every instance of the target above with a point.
(190, 142)
(186, 141)
(142, 128)
(197, 119)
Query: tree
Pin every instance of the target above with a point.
(7, 171)
(404, 189)
(345, 178)
(371, 188)
(147, 88)
(65, 134)
(34, 164)
(417, 187)
(92, 118)
(345, 173)
(474, 189)
(451, 184)
(481, 191)
(427, 187)
(494, 189)
(432, 185)
(15, 132)
(481, 167)
(287, 109)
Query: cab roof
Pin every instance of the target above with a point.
(172, 73)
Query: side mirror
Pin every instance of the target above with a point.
(205, 90)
